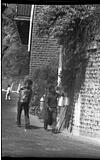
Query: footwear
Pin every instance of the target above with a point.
(45, 125)
(27, 127)
(54, 131)
(19, 125)
(46, 129)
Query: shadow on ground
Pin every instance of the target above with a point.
(34, 127)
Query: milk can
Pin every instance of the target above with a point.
(41, 103)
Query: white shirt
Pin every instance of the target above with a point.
(61, 101)
(41, 103)
(8, 90)
(41, 99)
(66, 101)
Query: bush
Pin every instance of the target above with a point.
(15, 62)
(42, 78)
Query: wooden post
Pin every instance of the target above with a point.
(59, 78)
(30, 29)
(60, 66)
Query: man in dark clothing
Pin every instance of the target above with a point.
(51, 109)
(25, 94)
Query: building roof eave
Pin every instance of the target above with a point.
(22, 18)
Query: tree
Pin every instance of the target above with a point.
(15, 62)
(70, 24)
(44, 76)
(15, 57)
(10, 33)
(75, 27)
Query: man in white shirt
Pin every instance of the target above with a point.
(8, 93)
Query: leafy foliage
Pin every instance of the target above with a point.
(15, 62)
(75, 27)
(43, 77)
(9, 30)
(70, 24)
(15, 57)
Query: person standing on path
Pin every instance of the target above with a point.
(8, 93)
(51, 109)
(25, 94)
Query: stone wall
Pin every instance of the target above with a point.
(43, 50)
(86, 113)
(87, 107)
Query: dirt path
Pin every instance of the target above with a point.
(37, 142)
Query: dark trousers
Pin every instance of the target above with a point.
(54, 118)
(20, 107)
(51, 120)
(46, 118)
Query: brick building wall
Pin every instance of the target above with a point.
(43, 50)
(86, 120)
(86, 109)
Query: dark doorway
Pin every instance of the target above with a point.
(23, 29)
